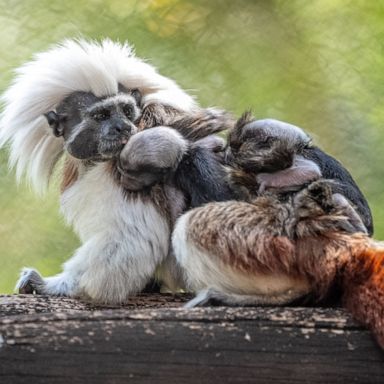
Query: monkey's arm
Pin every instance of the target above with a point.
(192, 126)
(114, 255)
(343, 204)
(301, 172)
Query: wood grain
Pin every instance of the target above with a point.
(154, 340)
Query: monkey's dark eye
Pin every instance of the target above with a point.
(100, 115)
(128, 111)
(235, 145)
(264, 144)
(261, 143)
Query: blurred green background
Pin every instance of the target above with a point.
(317, 64)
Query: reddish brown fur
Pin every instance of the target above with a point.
(245, 236)
(70, 173)
(364, 289)
(298, 238)
(356, 263)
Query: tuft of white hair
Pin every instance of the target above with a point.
(74, 65)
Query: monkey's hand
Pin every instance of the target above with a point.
(204, 123)
(150, 156)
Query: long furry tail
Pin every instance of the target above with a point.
(363, 287)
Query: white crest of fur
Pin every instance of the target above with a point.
(41, 84)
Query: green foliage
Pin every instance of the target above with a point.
(318, 64)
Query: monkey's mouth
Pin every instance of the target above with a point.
(112, 147)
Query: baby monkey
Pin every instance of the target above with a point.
(270, 155)
(261, 156)
(272, 252)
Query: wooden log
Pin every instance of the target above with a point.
(154, 340)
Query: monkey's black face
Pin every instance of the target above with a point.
(254, 149)
(96, 128)
(264, 145)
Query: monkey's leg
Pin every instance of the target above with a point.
(108, 268)
(224, 257)
(341, 202)
(212, 296)
(320, 192)
(193, 126)
(201, 124)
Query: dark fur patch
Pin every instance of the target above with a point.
(202, 178)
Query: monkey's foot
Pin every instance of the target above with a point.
(30, 281)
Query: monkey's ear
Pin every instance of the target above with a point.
(54, 122)
(136, 95)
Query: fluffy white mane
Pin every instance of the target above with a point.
(41, 84)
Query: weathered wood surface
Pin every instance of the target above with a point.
(153, 340)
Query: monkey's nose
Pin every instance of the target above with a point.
(121, 127)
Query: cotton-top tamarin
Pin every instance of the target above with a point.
(84, 101)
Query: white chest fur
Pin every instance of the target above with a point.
(96, 204)
(124, 239)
